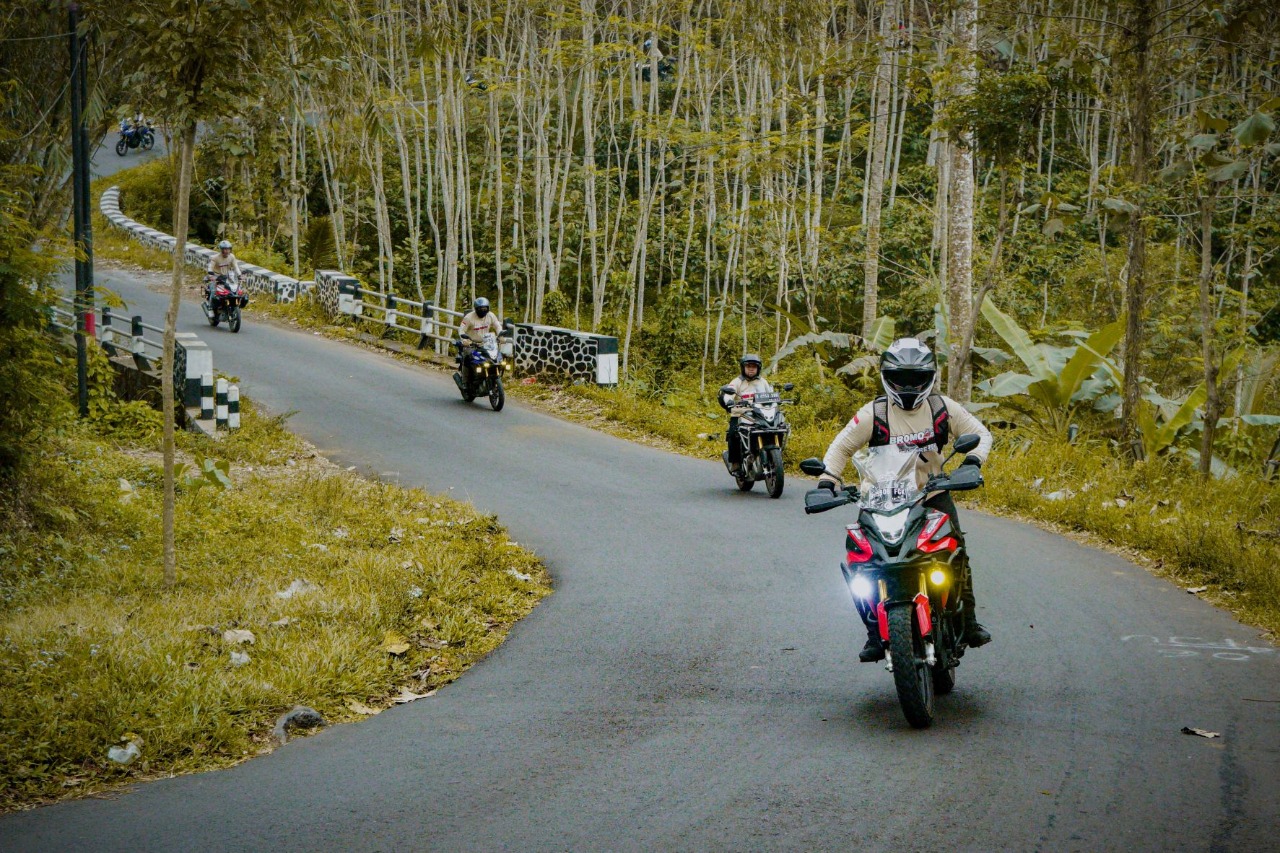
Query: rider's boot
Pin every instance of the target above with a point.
(874, 649)
(974, 634)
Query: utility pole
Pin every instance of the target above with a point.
(82, 223)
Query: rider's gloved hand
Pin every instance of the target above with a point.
(829, 485)
(972, 460)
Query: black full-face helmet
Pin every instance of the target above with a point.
(750, 358)
(908, 371)
(482, 306)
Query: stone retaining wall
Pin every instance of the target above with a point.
(255, 279)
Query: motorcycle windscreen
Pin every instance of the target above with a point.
(888, 476)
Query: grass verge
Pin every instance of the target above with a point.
(393, 589)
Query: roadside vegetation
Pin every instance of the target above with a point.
(1219, 533)
(299, 584)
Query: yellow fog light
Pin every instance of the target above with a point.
(938, 576)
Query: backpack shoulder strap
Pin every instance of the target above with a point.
(879, 422)
(941, 420)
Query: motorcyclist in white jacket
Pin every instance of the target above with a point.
(475, 324)
(746, 385)
(911, 414)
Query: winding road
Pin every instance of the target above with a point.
(693, 683)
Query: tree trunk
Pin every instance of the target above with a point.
(1208, 329)
(1135, 296)
(882, 115)
(181, 208)
(960, 213)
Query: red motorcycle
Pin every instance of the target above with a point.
(223, 300)
(905, 569)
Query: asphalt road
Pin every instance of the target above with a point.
(693, 683)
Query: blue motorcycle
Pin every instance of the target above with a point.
(135, 136)
(484, 365)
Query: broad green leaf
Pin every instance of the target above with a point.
(839, 339)
(1213, 159)
(1085, 361)
(1168, 431)
(1211, 124)
(991, 355)
(1176, 171)
(1270, 106)
(1229, 172)
(1254, 129)
(1203, 141)
(1017, 338)
(1054, 227)
(1261, 420)
(1006, 384)
(1029, 209)
(881, 333)
(1273, 149)
(1119, 205)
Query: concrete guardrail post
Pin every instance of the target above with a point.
(206, 397)
(199, 362)
(220, 418)
(138, 348)
(233, 407)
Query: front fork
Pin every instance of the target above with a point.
(923, 621)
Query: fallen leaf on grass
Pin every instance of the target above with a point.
(395, 644)
(407, 695)
(237, 636)
(239, 659)
(361, 708)
(282, 623)
(1187, 730)
(1196, 590)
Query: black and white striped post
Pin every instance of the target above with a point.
(233, 407)
(220, 418)
(206, 397)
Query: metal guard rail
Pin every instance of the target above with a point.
(108, 329)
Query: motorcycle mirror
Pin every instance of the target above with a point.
(508, 325)
(787, 386)
(727, 389)
(813, 467)
(965, 443)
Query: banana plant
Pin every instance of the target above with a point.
(1055, 375)
(881, 336)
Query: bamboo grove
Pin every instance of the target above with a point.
(761, 170)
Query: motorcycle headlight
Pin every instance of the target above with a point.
(938, 577)
(861, 587)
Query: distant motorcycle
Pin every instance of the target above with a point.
(488, 362)
(905, 570)
(763, 432)
(225, 299)
(135, 136)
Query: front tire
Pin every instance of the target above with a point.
(122, 147)
(148, 140)
(233, 319)
(497, 397)
(775, 479)
(910, 672)
(746, 480)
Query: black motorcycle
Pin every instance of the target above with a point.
(488, 363)
(224, 299)
(135, 136)
(762, 432)
(906, 570)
